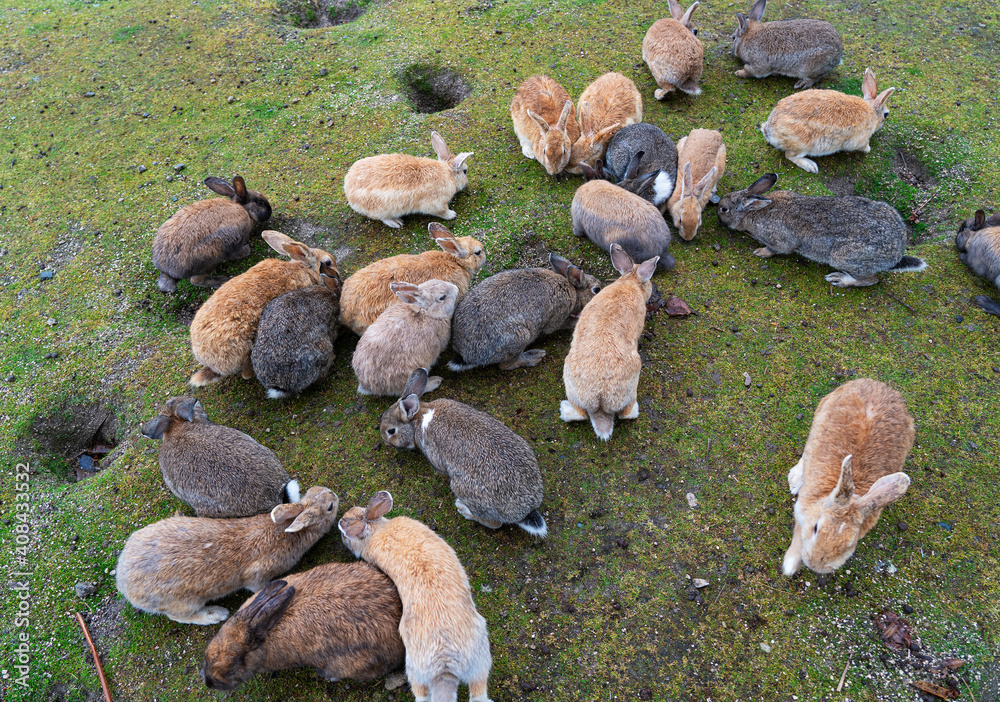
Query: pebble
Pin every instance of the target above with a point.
(230, 99)
(902, 526)
(692, 501)
(51, 322)
(907, 609)
(52, 354)
(690, 392)
(85, 590)
(141, 169)
(179, 167)
(323, 71)
(699, 583)
(11, 378)
(959, 318)
(765, 648)
(45, 275)
(170, 178)
(89, 93)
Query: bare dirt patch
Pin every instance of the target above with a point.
(310, 14)
(433, 89)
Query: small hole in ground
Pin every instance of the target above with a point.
(80, 434)
(309, 14)
(433, 89)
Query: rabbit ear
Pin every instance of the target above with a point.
(186, 409)
(646, 269)
(575, 276)
(273, 601)
(154, 428)
(352, 527)
(757, 11)
(286, 512)
(599, 170)
(676, 11)
(589, 173)
(285, 245)
(438, 231)
(845, 486)
(332, 284)
(884, 491)
(633, 165)
(450, 244)
(763, 184)
(417, 383)
(699, 189)
(620, 260)
(979, 221)
(241, 190)
(307, 518)
(741, 24)
(440, 148)
(559, 264)
(994, 219)
(379, 505)
(686, 19)
(409, 406)
(461, 159)
(640, 183)
(564, 116)
(868, 88)
(752, 204)
(687, 181)
(582, 112)
(542, 124)
(220, 186)
(407, 292)
(883, 98)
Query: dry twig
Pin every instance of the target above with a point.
(97, 660)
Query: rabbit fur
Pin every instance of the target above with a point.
(673, 53)
(608, 214)
(823, 122)
(701, 156)
(806, 49)
(978, 242)
(340, 618)
(224, 328)
(601, 372)
(856, 236)
(607, 105)
(545, 122)
(176, 565)
(659, 154)
(849, 471)
(494, 473)
(219, 471)
(410, 334)
(499, 318)
(391, 186)
(293, 348)
(204, 234)
(366, 294)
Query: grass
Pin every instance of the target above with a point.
(601, 609)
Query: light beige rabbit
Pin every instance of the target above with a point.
(601, 372)
(823, 122)
(544, 122)
(673, 52)
(701, 158)
(849, 471)
(607, 105)
(390, 186)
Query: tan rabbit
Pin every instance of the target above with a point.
(601, 372)
(224, 328)
(176, 565)
(673, 52)
(701, 157)
(390, 186)
(410, 334)
(849, 471)
(366, 294)
(445, 637)
(544, 122)
(607, 105)
(823, 122)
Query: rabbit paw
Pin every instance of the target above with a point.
(630, 412)
(208, 281)
(463, 510)
(209, 615)
(362, 391)
(805, 83)
(763, 252)
(795, 478)
(742, 73)
(203, 377)
(166, 284)
(449, 214)
(790, 565)
(569, 413)
(868, 147)
(661, 93)
(394, 223)
(527, 359)
(846, 280)
(802, 162)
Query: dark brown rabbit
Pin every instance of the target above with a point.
(219, 471)
(340, 618)
(202, 235)
(978, 242)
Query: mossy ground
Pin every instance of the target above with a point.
(92, 90)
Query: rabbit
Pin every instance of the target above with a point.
(806, 49)
(293, 348)
(340, 618)
(390, 186)
(608, 214)
(601, 372)
(856, 236)
(224, 328)
(673, 52)
(409, 334)
(849, 471)
(366, 294)
(823, 122)
(494, 473)
(702, 157)
(607, 105)
(659, 154)
(645, 186)
(176, 565)
(445, 637)
(219, 471)
(202, 235)
(978, 242)
(505, 313)
(544, 122)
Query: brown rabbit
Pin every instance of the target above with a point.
(849, 471)
(366, 294)
(607, 105)
(601, 372)
(224, 328)
(673, 52)
(701, 158)
(544, 122)
(176, 565)
(978, 243)
(340, 618)
(204, 234)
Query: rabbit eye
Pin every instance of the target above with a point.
(816, 528)
(390, 432)
(441, 298)
(596, 289)
(694, 31)
(723, 209)
(330, 507)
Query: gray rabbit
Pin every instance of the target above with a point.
(499, 318)
(219, 471)
(659, 153)
(294, 344)
(494, 473)
(857, 236)
(978, 242)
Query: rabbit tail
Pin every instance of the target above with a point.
(444, 688)
(458, 364)
(534, 524)
(603, 424)
(292, 492)
(690, 87)
(277, 393)
(909, 264)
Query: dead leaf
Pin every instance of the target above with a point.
(895, 631)
(945, 693)
(676, 307)
(953, 663)
(654, 305)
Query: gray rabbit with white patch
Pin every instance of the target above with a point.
(658, 153)
(499, 318)
(978, 242)
(857, 236)
(494, 473)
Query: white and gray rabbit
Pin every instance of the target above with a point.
(658, 153)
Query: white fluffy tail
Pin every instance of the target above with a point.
(292, 491)
(276, 394)
(535, 524)
(603, 424)
(909, 264)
